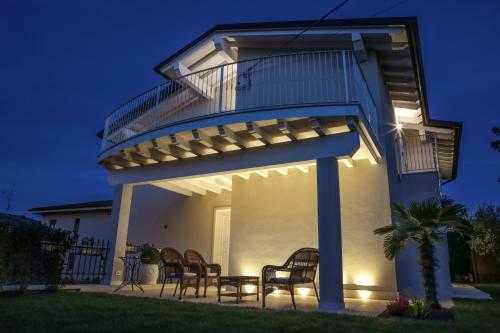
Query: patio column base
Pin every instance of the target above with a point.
(329, 307)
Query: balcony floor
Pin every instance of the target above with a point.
(282, 302)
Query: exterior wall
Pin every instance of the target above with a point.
(189, 220)
(92, 224)
(417, 187)
(270, 219)
(413, 187)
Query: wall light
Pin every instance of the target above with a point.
(303, 291)
(364, 294)
(399, 127)
(250, 289)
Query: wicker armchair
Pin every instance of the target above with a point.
(186, 274)
(301, 266)
(210, 273)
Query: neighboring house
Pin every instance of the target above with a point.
(247, 153)
(86, 220)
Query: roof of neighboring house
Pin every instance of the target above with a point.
(92, 206)
(411, 27)
(11, 219)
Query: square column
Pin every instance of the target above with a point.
(120, 213)
(329, 235)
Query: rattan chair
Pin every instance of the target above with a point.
(175, 267)
(210, 273)
(301, 266)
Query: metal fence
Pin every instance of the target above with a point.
(418, 153)
(301, 79)
(86, 262)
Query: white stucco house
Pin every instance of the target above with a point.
(86, 220)
(250, 151)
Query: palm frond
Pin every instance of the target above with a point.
(385, 230)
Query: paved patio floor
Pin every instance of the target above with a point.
(281, 301)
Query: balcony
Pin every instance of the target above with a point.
(418, 153)
(276, 82)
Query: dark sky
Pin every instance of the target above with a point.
(65, 65)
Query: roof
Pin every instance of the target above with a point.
(92, 206)
(411, 26)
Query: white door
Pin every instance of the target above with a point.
(222, 224)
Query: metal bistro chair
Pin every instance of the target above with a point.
(301, 266)
(210, 273)
(175, 267)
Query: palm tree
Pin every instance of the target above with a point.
(426, 223)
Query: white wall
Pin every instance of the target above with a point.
(92, 224)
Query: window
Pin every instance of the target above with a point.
(76, 227)
(52, 223)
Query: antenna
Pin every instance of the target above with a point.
(9, 197)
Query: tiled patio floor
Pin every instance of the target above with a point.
(273, 301)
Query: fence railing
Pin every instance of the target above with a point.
(86, 263)
(315, 78)
(418, 153)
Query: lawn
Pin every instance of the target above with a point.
(75, 312)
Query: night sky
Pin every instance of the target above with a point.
(65, 65)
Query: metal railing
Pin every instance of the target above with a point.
(300, 79)
(418, 153)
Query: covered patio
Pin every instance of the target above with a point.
(307, 194)
(276, 301)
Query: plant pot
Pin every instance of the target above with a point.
(149, 273)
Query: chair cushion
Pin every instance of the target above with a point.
(279, 280)
(189, 274)
(211, 274)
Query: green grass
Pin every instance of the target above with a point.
(74, 312)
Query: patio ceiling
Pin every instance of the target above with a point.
(224, 181)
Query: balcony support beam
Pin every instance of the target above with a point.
(359, 47)
(287, 130)
(258, 133)
(231, 137)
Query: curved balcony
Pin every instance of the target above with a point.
(283, 81)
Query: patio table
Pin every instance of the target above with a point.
(131, 267)
(238, 282)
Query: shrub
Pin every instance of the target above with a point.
(33, 253)
(150, 254)
(418, 308)
(398, 307)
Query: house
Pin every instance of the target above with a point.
(86, 220)
(256, 146)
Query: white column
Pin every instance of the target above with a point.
(329, 235)
(120, 213)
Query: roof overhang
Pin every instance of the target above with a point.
(83, 207)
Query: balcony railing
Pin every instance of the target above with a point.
(418, 154)
(302, 79)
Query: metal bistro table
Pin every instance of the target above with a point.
(238, 282)
(131, 266)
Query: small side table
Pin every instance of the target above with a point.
(131, 266)
(238, 282)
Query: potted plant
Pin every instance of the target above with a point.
(150, 257)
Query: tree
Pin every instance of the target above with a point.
(485, 237)
(495, 144)
(426, 223)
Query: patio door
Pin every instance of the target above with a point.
(222, 224)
